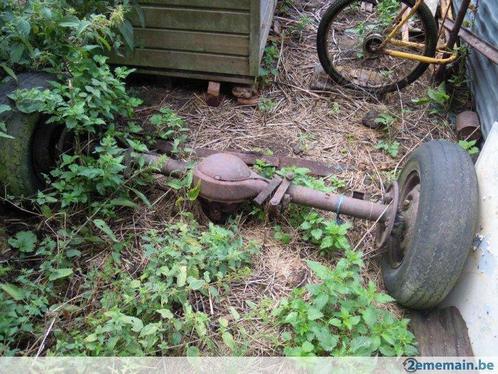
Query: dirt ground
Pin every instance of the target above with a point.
(319, 125)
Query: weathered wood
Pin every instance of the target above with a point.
(215, 4)
(255, 37)
(193, 41)
(442, 332)
(267, 10)
(202, 62)
(194, 19)
(192, 74)
(215, 40)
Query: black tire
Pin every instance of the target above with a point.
(19, 174)
(442, 229)
(337, 6)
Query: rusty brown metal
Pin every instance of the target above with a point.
(225, 178)
(316, 168)
(480, 45)
(385, 227)
(165, 165)
(278, 197)
(339, 204)
(268, 190)
(453, 37)
(468, 126)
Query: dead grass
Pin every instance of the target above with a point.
(319, 125)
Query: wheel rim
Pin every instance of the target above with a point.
(352, 45)
(404, 231)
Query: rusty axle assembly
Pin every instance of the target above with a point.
(226, 180)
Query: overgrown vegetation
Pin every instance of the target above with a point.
(340, 317)
(80, 278)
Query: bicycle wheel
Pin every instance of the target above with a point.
(351, 32)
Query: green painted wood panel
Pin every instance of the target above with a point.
(167, 59)
(193, 41)
(216, 4)
(195, 19)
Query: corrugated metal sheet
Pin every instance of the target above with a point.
(483, 74)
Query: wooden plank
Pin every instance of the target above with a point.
(194, 19)
(215, 4)
(193, 41)
(254, 59)
(201, 62)
(267, 12)
(442, 332)
(241, 79)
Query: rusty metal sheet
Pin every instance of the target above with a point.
(316, 168)
(480, 45)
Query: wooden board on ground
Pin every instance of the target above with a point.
(442, 332)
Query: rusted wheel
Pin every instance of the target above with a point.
(434, 227)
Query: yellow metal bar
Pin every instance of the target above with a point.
(424, 59)
(405, 19)
(403, 43)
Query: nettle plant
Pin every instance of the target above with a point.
(338, 316)
(150, 312)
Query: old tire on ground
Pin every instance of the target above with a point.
(21, 171)
(437, 221)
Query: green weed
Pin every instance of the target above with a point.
(338, 316)
(469, 146)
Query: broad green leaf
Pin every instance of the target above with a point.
(142, 197)
(318, 269)
(149, 329)
(361, 345)
(234, 313)
(316, 234)
(165, 313)
(383, 298)
(370, 316)
(91, 338)
(4, 108)
(181, 278)
(9, 71)
(13, 291)
(326, 339)
(229, 341)
(314, 314)
(307, 347)
(196, 284)
(193, 351)
(60, 273)
(100, 224)
(136, 323)
(24, 241)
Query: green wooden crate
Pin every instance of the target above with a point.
(218, 40)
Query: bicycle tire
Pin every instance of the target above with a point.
(430, 28)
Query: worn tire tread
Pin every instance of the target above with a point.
(445, 226)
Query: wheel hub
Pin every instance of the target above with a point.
(400, 237)
(385, 228)
(373, 43)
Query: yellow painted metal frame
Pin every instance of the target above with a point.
(390, 39)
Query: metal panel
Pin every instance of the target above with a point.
(483, 74)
